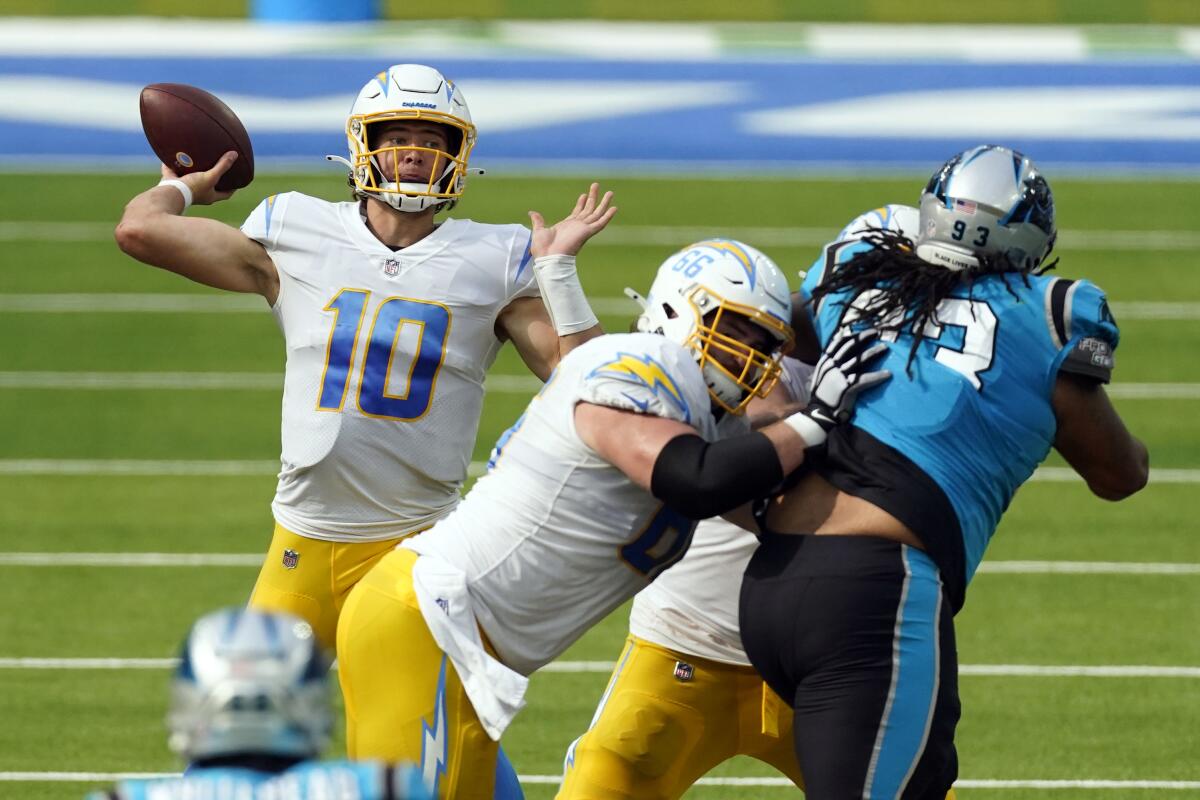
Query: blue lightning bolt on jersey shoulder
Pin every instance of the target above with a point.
(270, 207)
(644, 370)
(435, 744)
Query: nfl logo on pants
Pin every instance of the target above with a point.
(683, 671)
(290, 559)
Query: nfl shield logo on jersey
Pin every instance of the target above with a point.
(391, 267)
(290, 559)
(683, 671)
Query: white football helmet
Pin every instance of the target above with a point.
(410, 92)
(250, 682)
(693, 292)
(986, 200)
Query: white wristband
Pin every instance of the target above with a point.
(808, 428)
(562, 295)
(184, 190)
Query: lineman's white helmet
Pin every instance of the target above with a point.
(988, 200)
(700, 284)
(410, 92)
(250, 682)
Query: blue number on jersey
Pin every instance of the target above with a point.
(432, 321)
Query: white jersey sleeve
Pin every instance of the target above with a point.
(692, 608)
(554, 537)
(386, 357)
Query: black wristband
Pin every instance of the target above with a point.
(700, 479)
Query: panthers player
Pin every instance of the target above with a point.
(592, 494)
(683, 697)
(250, 710)
(847, 606)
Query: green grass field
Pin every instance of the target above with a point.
(1137, 239)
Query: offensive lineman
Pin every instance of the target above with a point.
(592, 494)
(683, 697)
(847, 606)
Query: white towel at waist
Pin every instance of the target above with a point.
(496, 692)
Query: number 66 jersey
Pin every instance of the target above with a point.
(972, 407)
(386, 357)
(555, 537)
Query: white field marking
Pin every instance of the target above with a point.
(131, 559)
(1068, 475)
(255, 559)
(962, 783)
(241, 381)
(139, 467)
(605, 667)
(218, 468)
(501, 384)
(117, 303)
(670, 236)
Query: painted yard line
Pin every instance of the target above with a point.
(670, 236)
(1086, 568)
(605, 667)
(131, 559)
(237, 381)
(123, 303)
(554, 780)
(502, 384)
(255, 559)
(218, 468)
(138, 467)
(1068, 475)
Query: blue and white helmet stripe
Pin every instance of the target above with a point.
(250, 681)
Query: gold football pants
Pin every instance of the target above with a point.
(667, 718)
(404, 700)
(312, 577)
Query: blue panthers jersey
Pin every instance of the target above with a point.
(314, 780)
(973, 409)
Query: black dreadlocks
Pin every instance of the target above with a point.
(908, 289)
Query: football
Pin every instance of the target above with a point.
(190, 129)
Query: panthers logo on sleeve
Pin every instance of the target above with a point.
(650, 384)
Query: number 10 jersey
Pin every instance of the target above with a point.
(386, 357)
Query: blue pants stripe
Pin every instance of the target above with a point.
(914, 687)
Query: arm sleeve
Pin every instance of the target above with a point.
(1083, 328)
(700, 479)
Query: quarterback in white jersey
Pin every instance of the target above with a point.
(390, 322)
(593, 492)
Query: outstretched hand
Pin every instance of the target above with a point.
(842, 374)
(590, 216)
(204, 184)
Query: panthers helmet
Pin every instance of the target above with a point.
(250, 682)
(694, 290)
(988, 200)
(410, 92)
